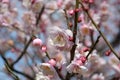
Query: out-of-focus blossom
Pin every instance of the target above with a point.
(51, 7)
(60, 59)
(26, 3)
(76, 66)
(96, 16)
(7, 44)
(29, 18)
(5, 1)
(85, 30)
(104, 8)
(59, 3)
(104, 11)
(91, 1)
(4, 8)
(114, 62)
(37, 5)
(5, 21)
(14, 12)
(98, 77)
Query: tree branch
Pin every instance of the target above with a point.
(96, 26)
(12, 70)
(8, 67)
(93, 47)
(39, 16)
(24, 51)
(72, 52)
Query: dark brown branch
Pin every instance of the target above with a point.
(23, 74)
(39, 16)
(72, 52)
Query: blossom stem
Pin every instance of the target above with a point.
(47, 55)
(97, 27)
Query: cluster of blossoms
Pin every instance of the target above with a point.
(64, 38)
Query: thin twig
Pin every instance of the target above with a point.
(27, 61)
(8, 67)
(47, 55)
(93, 47)
(39, 16)
(67, 19)
(15, 28)
(24, 51)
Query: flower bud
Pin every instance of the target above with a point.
(52, 62)
(91, 1)
(79, 19)
(77, 10)
(71, 12)
(107, 53)
(37, 42)
(83, 59)
(44, 48)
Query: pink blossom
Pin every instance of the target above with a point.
(85, 29)
(5, 1)
(71, 12)
(44, 48)
(52, 62)
(59, 38)
(37, 42)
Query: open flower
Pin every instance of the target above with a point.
(59, 38)
(76, 66)
(85, 30)
(47, 71)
